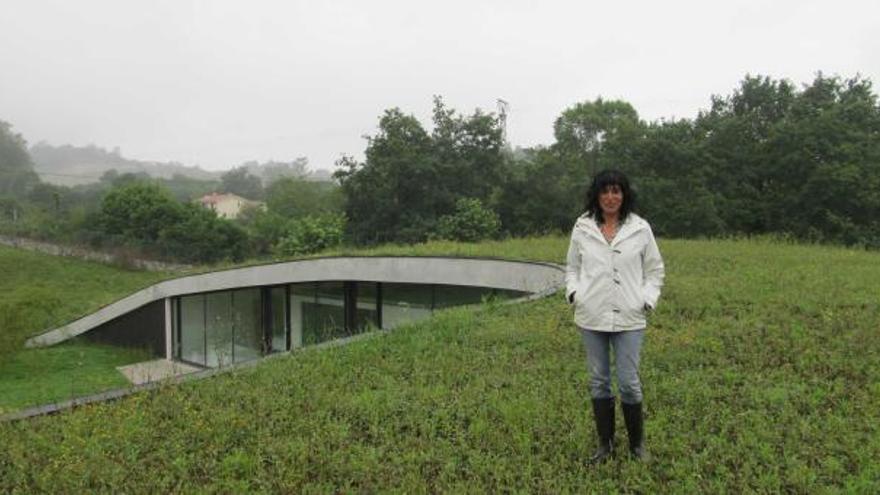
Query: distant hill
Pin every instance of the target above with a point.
(74, 165)
(68, 165)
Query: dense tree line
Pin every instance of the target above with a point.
(772, 158)
(768, 158)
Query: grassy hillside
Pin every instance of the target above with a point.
(760, 374)
(41, 292)
(34, 377)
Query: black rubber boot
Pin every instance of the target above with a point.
(635, 429)
(603, 411)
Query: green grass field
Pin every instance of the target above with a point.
(760, 372)
(35, 377)
(41, 292)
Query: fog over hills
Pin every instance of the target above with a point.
(73, 165)
(69, 165)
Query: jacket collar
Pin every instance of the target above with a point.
(631, 226)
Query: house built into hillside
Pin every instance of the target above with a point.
(227, 317)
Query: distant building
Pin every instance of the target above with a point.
(228, 205)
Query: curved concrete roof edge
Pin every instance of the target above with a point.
(525, 276)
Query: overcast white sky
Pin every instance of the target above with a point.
(215, 83)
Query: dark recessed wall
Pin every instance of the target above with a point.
(142, 328)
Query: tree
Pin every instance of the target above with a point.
(804, 162)
(827, 155)
(539, 196)
(546, 191)
(468, 153)
(734, 135)
(471, 222)
(311, 234)
(296, 197)
(393, 195)
(411, 178)
(201, 237)
(50, 198)
(672, 182)
(145, 215)
(17, 175)
(138, 212)
(10, 210)
(273, 171)
(264, 228)
(596, 135)
(185, 188)
(241, 182)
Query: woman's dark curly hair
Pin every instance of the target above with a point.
(605, 179)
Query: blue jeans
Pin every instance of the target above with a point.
(627, 346)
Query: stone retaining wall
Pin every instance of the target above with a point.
(88, 254)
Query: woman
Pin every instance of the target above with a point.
(613, 278)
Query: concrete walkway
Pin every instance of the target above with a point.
(153, 371)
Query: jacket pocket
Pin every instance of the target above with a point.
(634, 298)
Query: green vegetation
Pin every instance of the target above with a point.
(17, 174)
(471, 222)
(411, 178)
(243, 183)
(760, 370)
(145, 215)
(769, 158)
(35, 377)
(42, 292)
(311, 234)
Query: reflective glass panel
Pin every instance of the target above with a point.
(458, 295)
(300, 296)
(192, 329)
(402, 303)
(247, 317)
(218, 328)
(367, 315)
(324, 319)
(279, 319)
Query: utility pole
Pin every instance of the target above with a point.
(503, 107)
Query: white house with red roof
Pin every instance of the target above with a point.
(228, 205)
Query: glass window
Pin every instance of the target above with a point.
(247, 318)
(218, 328)
(192, 329)
(300, 296)
(403, 303)
(458, 295)
(366, 315)
(324, 319)
(278, 311)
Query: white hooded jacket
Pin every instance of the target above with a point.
(614, 283)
